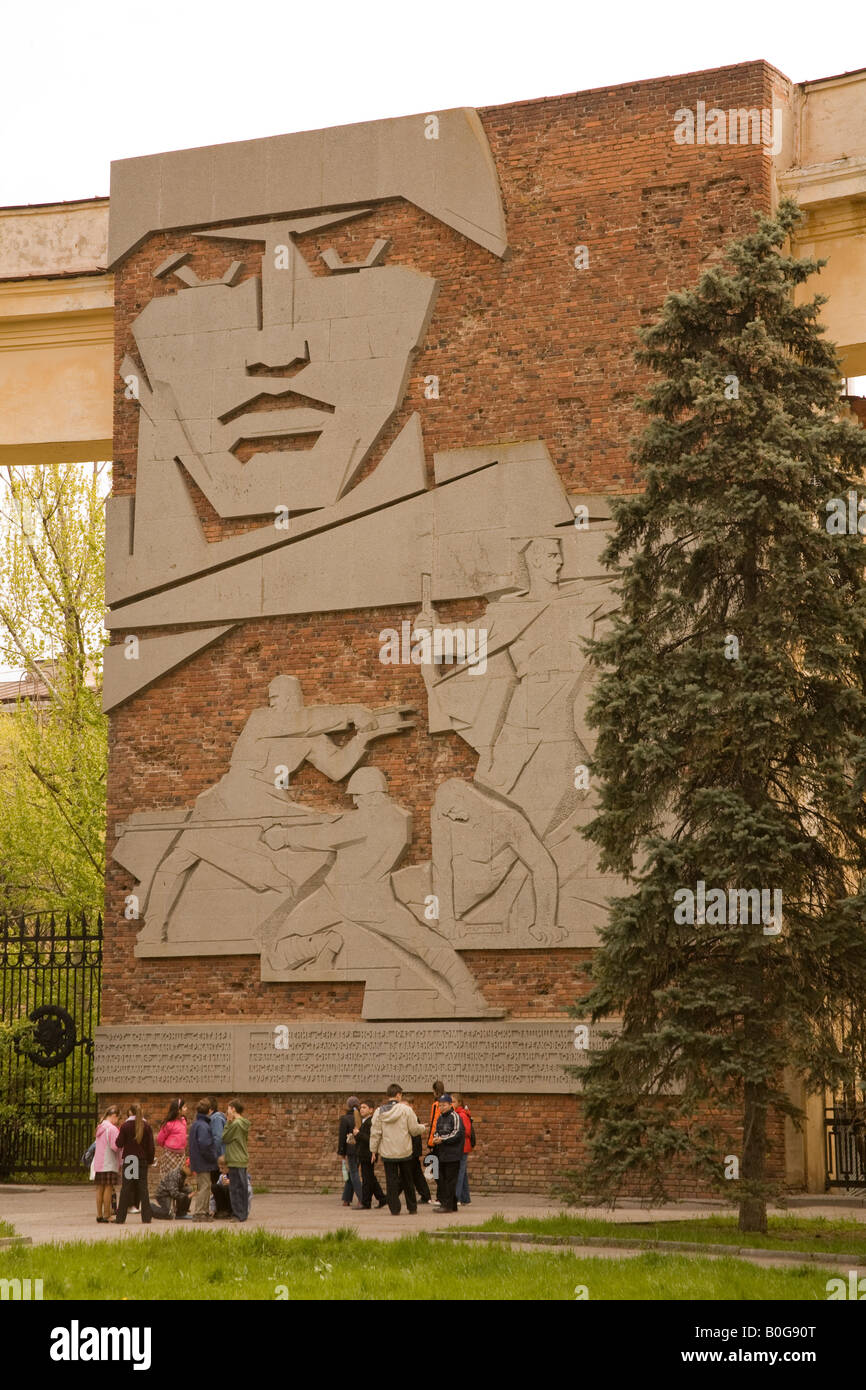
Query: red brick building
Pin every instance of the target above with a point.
(533, 345)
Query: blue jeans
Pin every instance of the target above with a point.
(238, 1193)
(353, 1182)
(463, 1183)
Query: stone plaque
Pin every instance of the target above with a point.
(163, 1058)
(516, 1057)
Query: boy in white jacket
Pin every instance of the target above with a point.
(391, 1132)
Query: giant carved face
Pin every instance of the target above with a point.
(334, 349)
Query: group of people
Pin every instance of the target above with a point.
(202, 1169)
(203, 1165)
(393, 1132)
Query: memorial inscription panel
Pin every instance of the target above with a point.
(275, 1057)
(163, 1058)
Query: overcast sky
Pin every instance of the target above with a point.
(82, 85)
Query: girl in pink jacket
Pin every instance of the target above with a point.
(106, 1163)
(172, 1139)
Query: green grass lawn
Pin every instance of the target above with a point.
(229, 1265)
(6, 1229)
(842, 1235)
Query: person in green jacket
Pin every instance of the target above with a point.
(237, 1159)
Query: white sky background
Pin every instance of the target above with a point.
(84, 84)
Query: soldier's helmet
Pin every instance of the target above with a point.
(367, 779)
(285, 688)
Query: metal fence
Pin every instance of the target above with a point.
(50, 978)
(845, 1131)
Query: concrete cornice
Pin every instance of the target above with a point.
(833, 221)
(842, 79)
(824, 183)
(73, 312)
(65, 205)
(56, 373)
(85, 450)
(69, 295)
(57, 330)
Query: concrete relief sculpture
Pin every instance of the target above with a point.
(318, 894)
(335, 350)
(203, 871)
(354, 926)
(509, 866)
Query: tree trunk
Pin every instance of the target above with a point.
(753, 1206)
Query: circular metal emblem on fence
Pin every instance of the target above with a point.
(53, 1034)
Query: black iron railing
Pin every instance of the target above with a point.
(50, 978)
(845, 1131)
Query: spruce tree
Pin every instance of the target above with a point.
(730, 708)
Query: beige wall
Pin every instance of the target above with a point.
(805, 1157)
(53, 239)
(825, 170)
(833, 119)
(56, 334)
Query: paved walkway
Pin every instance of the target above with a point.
(69, 1213)
(53, 1214)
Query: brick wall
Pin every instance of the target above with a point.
(524, 1143)
(524, 348)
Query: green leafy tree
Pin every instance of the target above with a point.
(731, 717)
(27, 1103)
(53, 752)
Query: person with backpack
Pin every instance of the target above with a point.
(106, 1163)
(135, 1144)
(438, 1092)
(448, 1142)
(370, 1187)
(350, 1123)
(202, 1159)
(219, 1191)
(468, 1145)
